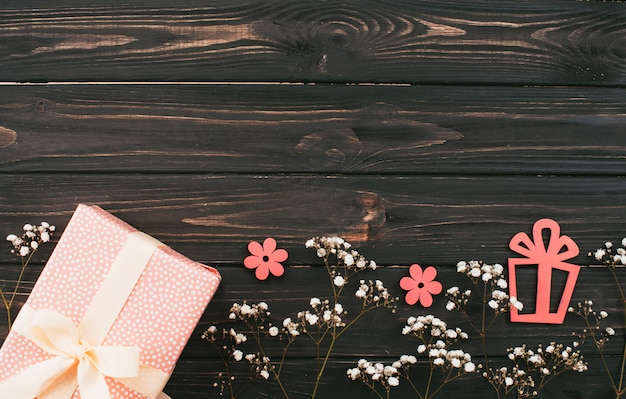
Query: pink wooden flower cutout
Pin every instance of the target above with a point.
(421, 286)
(265, 259)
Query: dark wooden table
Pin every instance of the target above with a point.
(423, 131)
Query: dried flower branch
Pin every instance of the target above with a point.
(24, 246)
(490, 281)
(533, 369)
(436, 341)
(323, 323)
(612, 258)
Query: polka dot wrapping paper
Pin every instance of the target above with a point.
(158, 315)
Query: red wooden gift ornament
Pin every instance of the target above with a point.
(547, 258)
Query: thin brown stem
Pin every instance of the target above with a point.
(320, 372)
(7, 307)
(257, 337)
(621, 389)
(430, 379)
(19, 279)
(414, 387)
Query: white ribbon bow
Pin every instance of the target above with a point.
(86, 365)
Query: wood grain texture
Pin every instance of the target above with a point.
(459, 130)
(422, 131)
(437, 220)
(376, 337)
(510, 42)
(190, 379)
(378, 334)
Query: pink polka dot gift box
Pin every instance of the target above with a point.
(108, 317)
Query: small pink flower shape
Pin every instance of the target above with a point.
(265, 259)
(421, 286)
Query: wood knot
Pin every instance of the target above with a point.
(372, 218)
(330, 148)
(41, 106)
(7, 137)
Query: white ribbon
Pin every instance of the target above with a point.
(89, 364)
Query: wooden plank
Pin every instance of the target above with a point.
(437, 220)
(449, 41)
(198, 368)
(193, 379)
(472, 137)
(290, 294)
(323, 129)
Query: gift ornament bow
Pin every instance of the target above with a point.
(78, 358)
(57, 335)
(553, 256)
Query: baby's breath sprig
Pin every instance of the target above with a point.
(380, 378)
(436, 341)
(490, 281)
(613, 257)
(533, 369)
(347, 261)
(229, 343)
(323, 322)
(593, 329)
(24, 246)
(342, 262)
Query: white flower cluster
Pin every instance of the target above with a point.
(374, 293)
(322, 314)
(261, 365)
(30, 240)
(436, 339)
(500, 302)
(258, 311)
(550, 360)
(371, 373)
(421, 326)
(479, 270)
(456, 298)
(609, 255)
(593, 320)
(254, 316)
(530, 365)
(448, 359)
(490, 275)
(515, 380)
(291, 327)
(325, 246)
(235, 337)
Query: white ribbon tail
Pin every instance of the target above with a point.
(91, 382)
(107, 361)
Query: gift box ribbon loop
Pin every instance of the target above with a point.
(78, 358)
(535, 249)
(58, 336)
